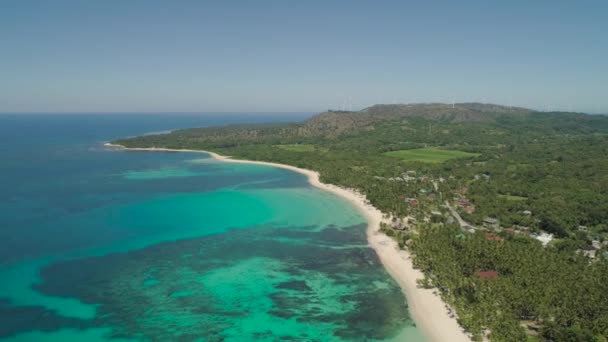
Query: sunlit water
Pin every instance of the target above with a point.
(98, 244)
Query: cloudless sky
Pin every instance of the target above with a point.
(126, 55)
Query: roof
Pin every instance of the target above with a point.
(493, 237)
(487, 274)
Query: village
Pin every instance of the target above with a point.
(426, 203)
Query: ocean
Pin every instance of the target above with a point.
(98, 244)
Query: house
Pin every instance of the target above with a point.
(582, 228)
(527, 212)
(544, 238)
(407, 177)
(492, 237)
(487, 274)
(466, 205)
(588, 251)
(491, 222)
(411, 201)
(522, 230)
(464, 201)
(401, 223)
(396, 224)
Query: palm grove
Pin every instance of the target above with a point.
(511, 174)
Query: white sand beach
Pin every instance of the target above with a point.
(427, 309)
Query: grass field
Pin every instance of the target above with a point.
(513, 198)
(297, 147)
(430, 155)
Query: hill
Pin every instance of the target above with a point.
(335, 123)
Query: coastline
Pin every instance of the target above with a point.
(427, 309)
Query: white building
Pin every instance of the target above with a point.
(544, 238)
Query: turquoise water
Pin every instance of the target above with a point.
(106, 245)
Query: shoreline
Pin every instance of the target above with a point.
(426, 308)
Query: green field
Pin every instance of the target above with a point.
(430, 155)
(512, 197)
(297, 147)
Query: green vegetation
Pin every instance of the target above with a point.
(512, 197)
(532, 172)
(297, 147)
(564, 292)
(429, 155)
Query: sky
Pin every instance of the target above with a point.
(304, 56)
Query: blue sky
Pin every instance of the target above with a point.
(98, 56)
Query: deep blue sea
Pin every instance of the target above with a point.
(98, 244)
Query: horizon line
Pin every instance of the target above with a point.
(540, 110)
(157, 112)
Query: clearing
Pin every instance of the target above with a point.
(430, 155)
(297, 147)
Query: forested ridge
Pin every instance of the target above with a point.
(528, 175)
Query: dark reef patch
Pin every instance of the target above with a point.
(18, 319)
(211, 286)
